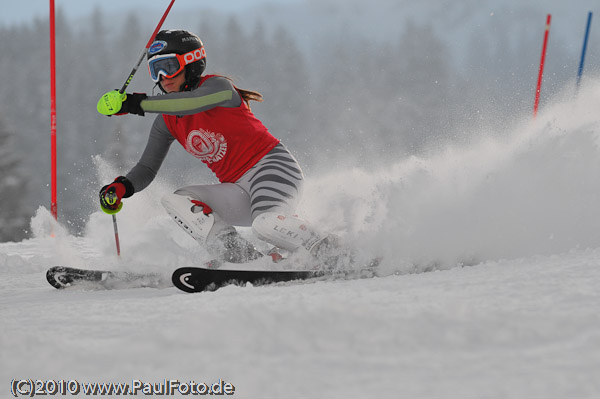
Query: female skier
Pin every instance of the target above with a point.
(211, 118)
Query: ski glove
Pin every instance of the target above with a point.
(112, 194)
(115, 103)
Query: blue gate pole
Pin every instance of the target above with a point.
(585, 40)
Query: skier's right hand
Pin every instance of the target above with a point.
(117, 103)
(112, 194)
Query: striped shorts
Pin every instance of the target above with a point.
(273, 184)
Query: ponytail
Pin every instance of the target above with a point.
(250, 95)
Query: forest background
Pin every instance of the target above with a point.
(345, 85)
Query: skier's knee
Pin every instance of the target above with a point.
(284, 231)
(192, 215)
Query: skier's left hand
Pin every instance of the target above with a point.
(112, 194)
(115, 103)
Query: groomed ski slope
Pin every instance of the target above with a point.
(489, 286)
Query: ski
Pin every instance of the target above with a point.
(210, 278)
(62, 277)
(198, 279)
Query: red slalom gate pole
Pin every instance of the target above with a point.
(541, 73)
(53, 205)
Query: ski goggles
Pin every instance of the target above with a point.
(170, 65)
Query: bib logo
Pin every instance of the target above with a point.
(207, 146)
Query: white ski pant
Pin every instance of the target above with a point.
(271, 188)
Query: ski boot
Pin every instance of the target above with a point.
(236, 249)
(332, 254)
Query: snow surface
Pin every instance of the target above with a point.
(488, 289)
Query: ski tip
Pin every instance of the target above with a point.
(182, 279)
(56, 277)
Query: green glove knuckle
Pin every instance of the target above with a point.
(110, 211)
(110, 103)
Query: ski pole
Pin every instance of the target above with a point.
(111, 198)
(133, 71)
(135, 68)
(114, 217)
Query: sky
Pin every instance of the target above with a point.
(20, 12)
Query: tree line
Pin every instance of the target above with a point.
(345, 101)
